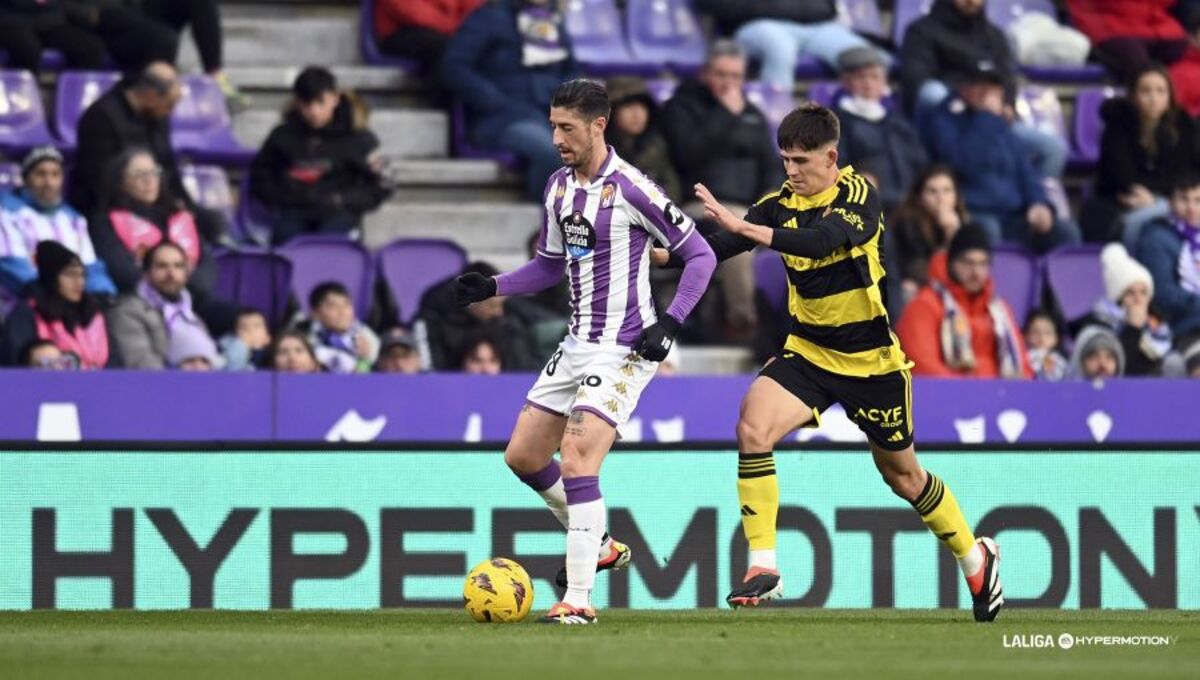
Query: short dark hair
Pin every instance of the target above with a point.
(809, 127)
(324, 290)
(587, 97)
(148, 258)
(244, 312)
(1186, 182)
(313, 82)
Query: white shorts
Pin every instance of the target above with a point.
(606, 380)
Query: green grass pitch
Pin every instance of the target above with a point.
(428, 644)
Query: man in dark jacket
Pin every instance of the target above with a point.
(719, 139)
(318, 171)
(776, 33)
(956, 37)
(1004, 193)
(504, 64)
(876, 139)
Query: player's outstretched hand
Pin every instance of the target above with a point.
(659, 257)
(656, 341)
(716, 212)
(473, 287)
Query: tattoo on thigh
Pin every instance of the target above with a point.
(576, 431)
(576, 417)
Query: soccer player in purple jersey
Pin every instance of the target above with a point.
(602, 218)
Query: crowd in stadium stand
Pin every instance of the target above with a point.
(107, 260)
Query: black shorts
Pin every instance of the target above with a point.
(880, 405)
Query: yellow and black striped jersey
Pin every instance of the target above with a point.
(838, 318)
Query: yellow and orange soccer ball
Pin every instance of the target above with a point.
(498, 591)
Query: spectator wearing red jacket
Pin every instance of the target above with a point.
(1130, 36)
(419, 29)
(957, 327)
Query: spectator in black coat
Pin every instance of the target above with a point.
(721, 140)
(955, 38)
(876, 138)
(319, 171)
(1148, 143)
(135, 114)
(717, 137)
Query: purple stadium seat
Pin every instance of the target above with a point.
(209, 186)
(201, 127)
(1075, 278)
(1088, 125)
(254, 277)
(862, 16)
(317, 258)
(809, 67)
(774, 102)
(76, 92)
(770, 277)
(1017, 277)
(10, 176)
(463, 148)
(370, 48)
(22, 119)
(598, 38)
(906, 12)
(412, 266)
(253, 222)
(665, 32)
(824, 92)
(662, 89)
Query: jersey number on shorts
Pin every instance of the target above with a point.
(553, 365)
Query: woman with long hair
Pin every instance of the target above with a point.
(1148, 143)
(930, 215)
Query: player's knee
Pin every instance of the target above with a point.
(520, 461)
(754, 437)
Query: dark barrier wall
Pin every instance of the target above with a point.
(128, 406)
(346, 529)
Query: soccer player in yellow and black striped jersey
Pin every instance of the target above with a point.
(826, 223)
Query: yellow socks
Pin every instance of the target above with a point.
(758, 494)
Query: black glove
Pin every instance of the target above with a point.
(473, 287)
(656, 340)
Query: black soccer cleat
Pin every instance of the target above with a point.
(618, 557)
(760, 585)
(990, 599)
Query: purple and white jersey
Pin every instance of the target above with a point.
(604, 228)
